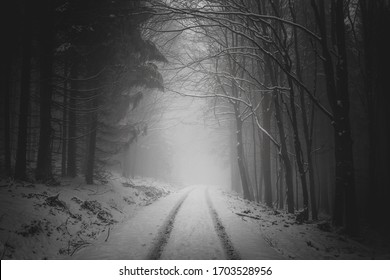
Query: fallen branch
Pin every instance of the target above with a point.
(96, 193)
(79, 246)
(116, 208)
(108, 234)
(248, 216)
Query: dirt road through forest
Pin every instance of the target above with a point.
(194, 223)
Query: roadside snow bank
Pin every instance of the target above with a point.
(293, 240)
(54, 222)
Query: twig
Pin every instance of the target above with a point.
(96, 193)
(116, 208)
(79, 247)
(66, 225)
(249, 216)
(78, 188)
(108, 234)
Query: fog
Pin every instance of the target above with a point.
(195, 160)
(181, 145)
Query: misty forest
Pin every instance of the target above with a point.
(194, 129)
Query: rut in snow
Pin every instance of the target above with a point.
(230, 252)
(165, 231)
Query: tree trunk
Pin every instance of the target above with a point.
(234, 173)
(375, 22)
(71, 168)
(21, 154)
(344, 213)
(266, 109)
(89, 172)
(266, 151)
(305, 124)
(6, 80)
(298, 153)
(284, 155)
(64, 122)
(280, 183)
(241, 158)
(43, 170)
(345, 172)
(256, 187)
(9, 49)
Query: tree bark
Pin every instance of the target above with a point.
(43, 171)
(298, 153)
(375, 22)
(64, 122)
(234, 173)
(71, 168)
(344, 213)
(241, 157)
(266, 151)
(89, 172)
(284, 155)
(305, 123)
(257, 194)
(345, 172)
(6, 76)
(266, 122)
(21, 154)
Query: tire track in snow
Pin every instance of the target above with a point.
(166, 229)
(230, 252)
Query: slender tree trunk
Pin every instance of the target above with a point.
(92, 144)
(277, 183)
(71, 168)
(345, 172)
(241, 157)
(280, 184)
(256, 188)
(305, 123)
(9, 49)
(266, 121)
(284, 155)
(261, 175)
(234, 173)
(298, 153)
(266, 152)
(313, 201)
(6, 76)
(43, 170)
(21, 154)
(64, 122)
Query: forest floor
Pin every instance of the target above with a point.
(311, 239)
(39, 221)
(146, 219)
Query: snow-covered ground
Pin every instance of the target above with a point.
(36, 224)
(144, 219)
(134, 237)
(182, 226)
(306, 241)
(193, 235)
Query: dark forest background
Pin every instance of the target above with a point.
(306, 82)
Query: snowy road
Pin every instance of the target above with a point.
(194, 223)
(193, 234)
